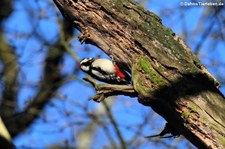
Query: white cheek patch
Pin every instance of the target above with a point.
(84, 68)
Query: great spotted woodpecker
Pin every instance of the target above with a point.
(104, 70)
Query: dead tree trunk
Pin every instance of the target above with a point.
(166, 75)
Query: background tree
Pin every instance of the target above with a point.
(44, 82)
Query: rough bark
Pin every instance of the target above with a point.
(166, 75)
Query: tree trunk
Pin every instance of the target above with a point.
(166, 75)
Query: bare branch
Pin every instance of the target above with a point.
(9, 76)
(106, 90)
(52, 80)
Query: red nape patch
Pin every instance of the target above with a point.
(119, 72)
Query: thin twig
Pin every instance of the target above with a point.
(115, 125)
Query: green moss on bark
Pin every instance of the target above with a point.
(144, 75)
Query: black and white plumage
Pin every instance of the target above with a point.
(104, 70)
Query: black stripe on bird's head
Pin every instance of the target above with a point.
(85, 64)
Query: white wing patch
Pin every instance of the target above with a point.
(98, 74)
(106, 65)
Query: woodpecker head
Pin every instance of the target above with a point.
(85, 64)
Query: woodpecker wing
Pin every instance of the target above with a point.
(102, 68)
(108, 72)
